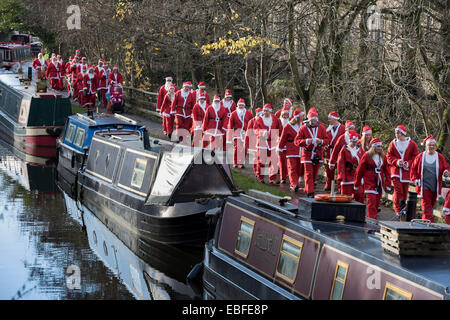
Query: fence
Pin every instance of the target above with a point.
(143, 100)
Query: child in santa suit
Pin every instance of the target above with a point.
(251, 140)
(212, 127)
(347, 163)
(426, 171)
(293, 152)
(334, 131)
(237, 128)
(400, 155)
(373, 170)
(312, 137)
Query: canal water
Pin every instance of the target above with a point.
(52, 248)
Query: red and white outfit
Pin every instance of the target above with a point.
(417, 175)
(400, 156)
(181, 109)
(293, 152)
(333, 132)
(168, 119)
(202, 90)
(213, 125)
(251, 141)
(288, 103)
(89, 91)
(163, 92)
(237, 128)
(342, 141)
(100, 73)
(312, 150)
(198, 115)
(230, 106)
(40, 65)
(61, 72)
(52, 74)
(446, 210)
(268, 130)
(80, 73)
(282, 160)
(115, 78)
(374, 173)
(347, 163)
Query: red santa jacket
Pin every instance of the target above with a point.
(182, 107)
(287, 141)
(89, 85)
(230, 107)
(393, 157)
(268, 136)
(52, 71)
(100, 73)
(278, 113)
(339, 144)
(333, 136)
(213, 121)
(37, 64)
(161, 96)
(117, 78)
(198, 115)
(166, 105)
(310, 151)
(61, 69)
(373, 174)
(237, 126)
(417, 171)
(197, 95)
(250, 136)
(347, 164)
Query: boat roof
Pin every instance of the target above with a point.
(12, 44)
(101, 119)
(12, 81)
(360, 240)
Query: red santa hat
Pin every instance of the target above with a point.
(258, 111)
(78, 51)
(172, 86)
(187, 84)
(375, 142)
(353, 135)
(349, 125)
(288, 101)
(170, 79)
(312, 114)
(401, 128)
(334, 115)
(228, 93)
(427, 140)
(201, 96)
(267, 107)
(71, 58)
(241, 101)
(366, 130)
(202, 85)
(298, 113)
(100, 60)
(216, 98)
(83, 59)
(116, 67)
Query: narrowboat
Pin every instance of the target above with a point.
(31, 120)
(152, 271)
(76, 138)
(152, 190)
(303, 250)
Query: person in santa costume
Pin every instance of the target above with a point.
(340, 143)
(181, 110)
(230, 106)
(293, 152)
(212, 127)
(163, 92)
(201, 89)
(400, 155)
(373, 171)
(287, 106)
(198, 115)
(78, 54)
(52, 74)
(75, 67)
(366, 137)
(115, 77)
(446, 210)
(168, 119)
(89, 91)
(237, 128)
(61, 72)
(268, 130)
(347, 163)
(82, 70)
(312, 137)
(334, 131)
(100, 74)
(40, 66)
(251, 141)
(282, 160)
(426, 172)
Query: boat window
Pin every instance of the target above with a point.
(392, 292)
(7, 55)
(138, 173)
(79, 138)
(244, 237)
(70, 133)
(289, 258)
(340, 276)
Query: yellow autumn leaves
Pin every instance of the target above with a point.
(123, 8)
(241, 46)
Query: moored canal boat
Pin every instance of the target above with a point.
(155, 190)
(31, 120)
(75, 140)
(269, 251)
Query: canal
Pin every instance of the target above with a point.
(53, 249)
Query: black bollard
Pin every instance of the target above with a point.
(30, 73)
(411, 206)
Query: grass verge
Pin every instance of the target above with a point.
(245, 183)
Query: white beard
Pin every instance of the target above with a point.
(267, 121)
(216, 106)
(241, 112)
(185, 94)
(227, 104)
(202, 105)
(167, 85)
(91, 76)
(284, 121)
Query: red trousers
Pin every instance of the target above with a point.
(55, 84)
(239, 152)
(373, 204)
(267, 158)
(330, 176)
(400, 193)
(183, 126)
(311, 171)
(88, 101)
(358, 195)
(295, 170)
(428, 202)
(214, 142)
(282, 164)
(168, 124)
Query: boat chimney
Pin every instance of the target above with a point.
(411, 206)
(30, 73)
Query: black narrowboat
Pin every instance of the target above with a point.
(152, 190)
(265, 250)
